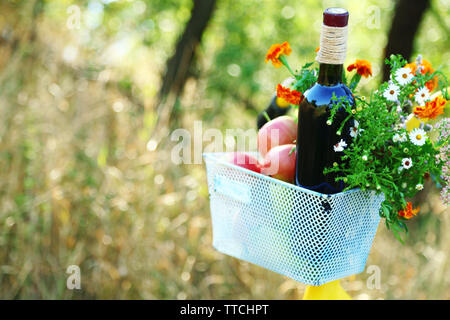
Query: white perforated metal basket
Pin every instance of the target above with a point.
(308, 236)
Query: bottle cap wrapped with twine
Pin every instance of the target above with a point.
(333, 39)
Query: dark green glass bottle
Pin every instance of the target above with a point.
(316, 139)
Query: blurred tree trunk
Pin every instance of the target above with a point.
(177, 66)
(407, 18)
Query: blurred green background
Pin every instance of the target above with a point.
(85, 171)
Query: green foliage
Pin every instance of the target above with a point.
(305, 78)
(375, 160)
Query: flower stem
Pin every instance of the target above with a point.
(283, 60)
(355, 81)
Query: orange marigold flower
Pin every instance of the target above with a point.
(426, 68)
(275, 51)
(363, 67)
(292, 96)
(412, 66)
(432, 84)
(408, 212)
(431, 109)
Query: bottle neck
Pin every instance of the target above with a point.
(330, 74)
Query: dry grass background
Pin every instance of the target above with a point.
(80, 184)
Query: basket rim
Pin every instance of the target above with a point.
(214, 156)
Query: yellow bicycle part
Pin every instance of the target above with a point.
(412, 123)
(328, 291)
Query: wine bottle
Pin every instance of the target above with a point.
(278, 107)
(316, 138)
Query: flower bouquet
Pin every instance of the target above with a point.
(396, 141)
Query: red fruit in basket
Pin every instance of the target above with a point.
(279, 162)
(277, 132)
(245, 160)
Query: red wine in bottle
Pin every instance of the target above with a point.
(316, 139)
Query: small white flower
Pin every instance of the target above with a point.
(399, 137)
(422, 95)
(354, 131)
(403, 76)
(396, 138)
(364, 158)
(339, 147)
(404, 185)
(406, 163)
(418, 136)
(403, 137)
(419, 59)
(391, 93)
(419, 186)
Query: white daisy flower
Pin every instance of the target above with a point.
(419, 186)
(399, 137)
(418, 136)
(339, 147)
(396, 138)
(403, 137)
(403, 76)
(364, 157)
(422, 95)
(391, 93)
(354, 131)
(406, 163)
